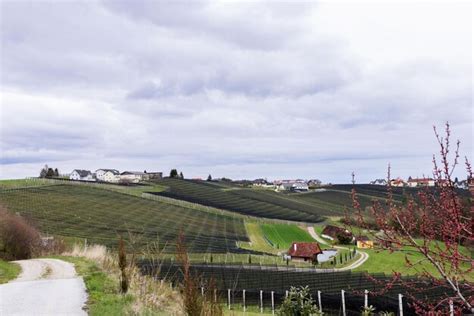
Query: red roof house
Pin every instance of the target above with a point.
(304, 251)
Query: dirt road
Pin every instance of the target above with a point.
(45, 287)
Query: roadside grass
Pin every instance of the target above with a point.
(101, 273)
(282, 235)
(8, 271)
(104, 296)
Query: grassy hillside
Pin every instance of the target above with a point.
(244, 201)
(101, 215)
(281, 236)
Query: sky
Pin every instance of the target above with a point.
(237, 89)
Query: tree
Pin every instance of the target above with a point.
(433, 224)
(56, 172)
(44, 171)
(173, 173)
(298, 303)
(344, 238)
(209, 178)
(181, 176)
(50, 173)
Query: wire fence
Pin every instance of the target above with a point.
(241, 286)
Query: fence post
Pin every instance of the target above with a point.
(366, 299)
(261, 301)
(202, 290)
(273, 304)
(228, 297)
(400, 304)
(319, 301)
(286, 293)
(343, 303)
(243, 300)
(215, 295)
(451, 308)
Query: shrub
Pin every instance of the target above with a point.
(298, 303)
(18, 239)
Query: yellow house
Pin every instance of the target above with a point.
(364, 242)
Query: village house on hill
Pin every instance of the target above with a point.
(108, 175)
(81, 175)
(420, 182)
(304, 251)
(138, 176)
(364, 242)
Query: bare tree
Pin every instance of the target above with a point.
(434, 223)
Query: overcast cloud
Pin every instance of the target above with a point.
(242, 90)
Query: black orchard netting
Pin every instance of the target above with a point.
(234, 279)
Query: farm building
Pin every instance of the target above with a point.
(398, 182)
(304, 251)
(364, 242)
(108, 175)
(420, 182)
(331, 232)
(154, 175)
(293, 186)
(81, 175)
(133, 176)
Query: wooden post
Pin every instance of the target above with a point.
(261, 301)
(202, 291)
(228, 297)
(243, 300)
(366, 299)
(273, 304)
(319, 301)
(400, 304)
(451, 308)
(343, 303)
(215, 295)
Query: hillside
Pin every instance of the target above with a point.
(244, 201)
(102, 215)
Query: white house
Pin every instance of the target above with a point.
(81, 175)
(133, 176)
(108, 175)
(421, 182)
(293, 186)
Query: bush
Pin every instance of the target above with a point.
(18, 239)
(298, 303)
(344, 238)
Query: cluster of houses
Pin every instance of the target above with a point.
(113, 176)
(311, 251)
(419, 182)
(298, 185)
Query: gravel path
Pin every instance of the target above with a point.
(44, 287)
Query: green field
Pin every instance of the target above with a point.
(281, 236)
(100, 216)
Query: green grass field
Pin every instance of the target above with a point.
(100, 216)
(282, 236)
(8, 271)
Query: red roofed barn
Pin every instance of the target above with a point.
(304, 251)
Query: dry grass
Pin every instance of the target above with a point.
(149, 295)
